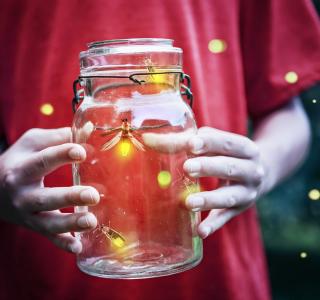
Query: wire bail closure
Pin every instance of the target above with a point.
(78, 91)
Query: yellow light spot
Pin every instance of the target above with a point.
(291, 77)
(314, 100)
(159, 78)
(118, 242)
(217, 46)
(125, 147)
(314, 194)
(303, 254)
(190, 189)
(46, 109)
(164, 179)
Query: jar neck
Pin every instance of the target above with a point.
(111, 88)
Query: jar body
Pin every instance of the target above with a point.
(136, 138)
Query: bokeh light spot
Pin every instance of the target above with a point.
(303, 254)
(314, 100)
(217, 46)
(314, 195)
(291, 77)
(190, 189)
(46, 109)
(164, 179)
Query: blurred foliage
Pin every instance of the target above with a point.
(290, 220)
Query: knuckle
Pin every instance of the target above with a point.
(40, 202)
(10, 179)
(258, 175)
(252, 196)
(31, 134)
(231, 169)
(18, 203)
(231, 201)
(42, 162)
(227, 145)
(71, 195)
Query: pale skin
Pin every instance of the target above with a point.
(250, 169)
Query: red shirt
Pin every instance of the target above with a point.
(261, 53)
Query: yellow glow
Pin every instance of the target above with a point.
(125, 147)
(217, 46)
(291, 77)
(159, 78)
(303, 254)
(164, 179)
(190, 189)
(314, 194)
(118, 242)
(46, 109)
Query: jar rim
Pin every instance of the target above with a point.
(131, 41)
(131, 45)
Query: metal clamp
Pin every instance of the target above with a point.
(78, 94)
(185, 81)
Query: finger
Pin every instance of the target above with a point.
(223, 197)
(57, 222)
(168, 142)
(224, 167)
(66, 242)
(213, 141)
(45, 199)
(216, 219)
(39, 139)
(44, 162)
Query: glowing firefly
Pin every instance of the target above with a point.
(115, 237)
(127, 134)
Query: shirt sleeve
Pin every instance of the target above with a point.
(280, 42)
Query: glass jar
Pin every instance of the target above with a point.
(135, 127)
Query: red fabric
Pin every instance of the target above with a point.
(40, 41)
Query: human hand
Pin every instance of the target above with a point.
(232, 158)
(25, 201)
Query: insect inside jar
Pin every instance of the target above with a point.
(125, 133)
(190, 186)
(114, 236)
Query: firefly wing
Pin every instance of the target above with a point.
(109, 131)
(152, 126)
(136, 143)
(110, 144)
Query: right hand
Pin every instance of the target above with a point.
(24, 199)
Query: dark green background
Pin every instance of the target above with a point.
(291, 221)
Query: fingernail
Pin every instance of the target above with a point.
(205, 230)
(87, 221)
(197, 145)
(75, 248)
(192, 166)
(195, 202)
(76, 153)
(89, 196)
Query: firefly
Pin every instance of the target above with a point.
(128, 135)
(114, 236)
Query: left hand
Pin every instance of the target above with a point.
(232, 158)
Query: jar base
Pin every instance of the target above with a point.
(145, 263)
